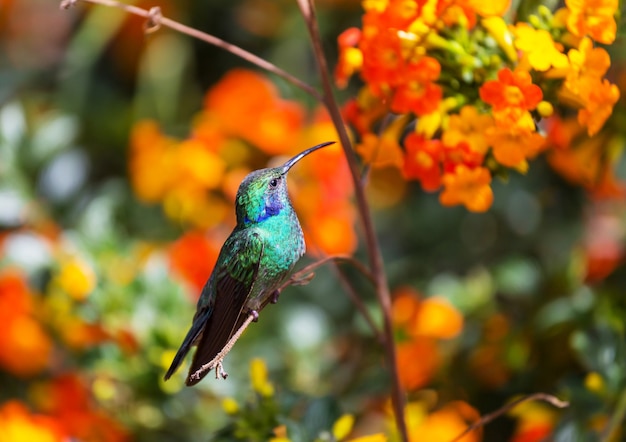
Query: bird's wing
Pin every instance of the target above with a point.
(234, 280)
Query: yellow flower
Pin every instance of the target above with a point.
(468, 126)
(258, 376)
(230, 406)
(499, 31)
(343, 426)
(77, 279)
(539, 48)
(594, 382)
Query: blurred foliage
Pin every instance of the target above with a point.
(119, 157)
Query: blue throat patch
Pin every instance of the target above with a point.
(271, 209)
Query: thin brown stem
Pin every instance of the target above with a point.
(373, 247)
(303, 272)
(484, 420)
(155, 19)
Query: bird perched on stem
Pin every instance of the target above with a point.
(255, 259)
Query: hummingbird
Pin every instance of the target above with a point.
(255, 260)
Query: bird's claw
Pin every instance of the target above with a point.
(255, 315)
(219, 371)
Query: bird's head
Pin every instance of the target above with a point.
(263, 193)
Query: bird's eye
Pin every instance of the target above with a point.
(274, 182)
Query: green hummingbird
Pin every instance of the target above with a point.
(253, 262)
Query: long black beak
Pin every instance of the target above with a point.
(301, 155)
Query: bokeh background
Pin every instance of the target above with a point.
(120, 155)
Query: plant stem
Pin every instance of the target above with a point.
(373, 247)
(484, 420)
(156, 19)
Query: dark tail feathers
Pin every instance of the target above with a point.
(194, 332)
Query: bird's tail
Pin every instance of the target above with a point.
(192, 336)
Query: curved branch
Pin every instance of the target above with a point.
(155, 19)
(484, 420)
(300, 275)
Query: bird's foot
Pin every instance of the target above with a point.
(274, 296)
(219, 371)
(255, 315)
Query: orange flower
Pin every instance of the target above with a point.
(25, 348)
(17, 424)
(595, 18)
(460, 153)
(333, 231)
(600, 101)
(248, 105)
(405, 306)
(362, 112)
(15, 297)
(381, 151)
(584, 86)
(418, 360)
(512, 95)
(469, 126)
(193, 257)
(437, 318)
(469, 187)
(446, 423)
(512, 147)
(383, 62)
(433, 317)
(418, 93)
(150, 163)
(422, 161)
(586, 61)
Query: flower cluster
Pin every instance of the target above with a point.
(245, 123)
(64, 401)
(455, 95)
